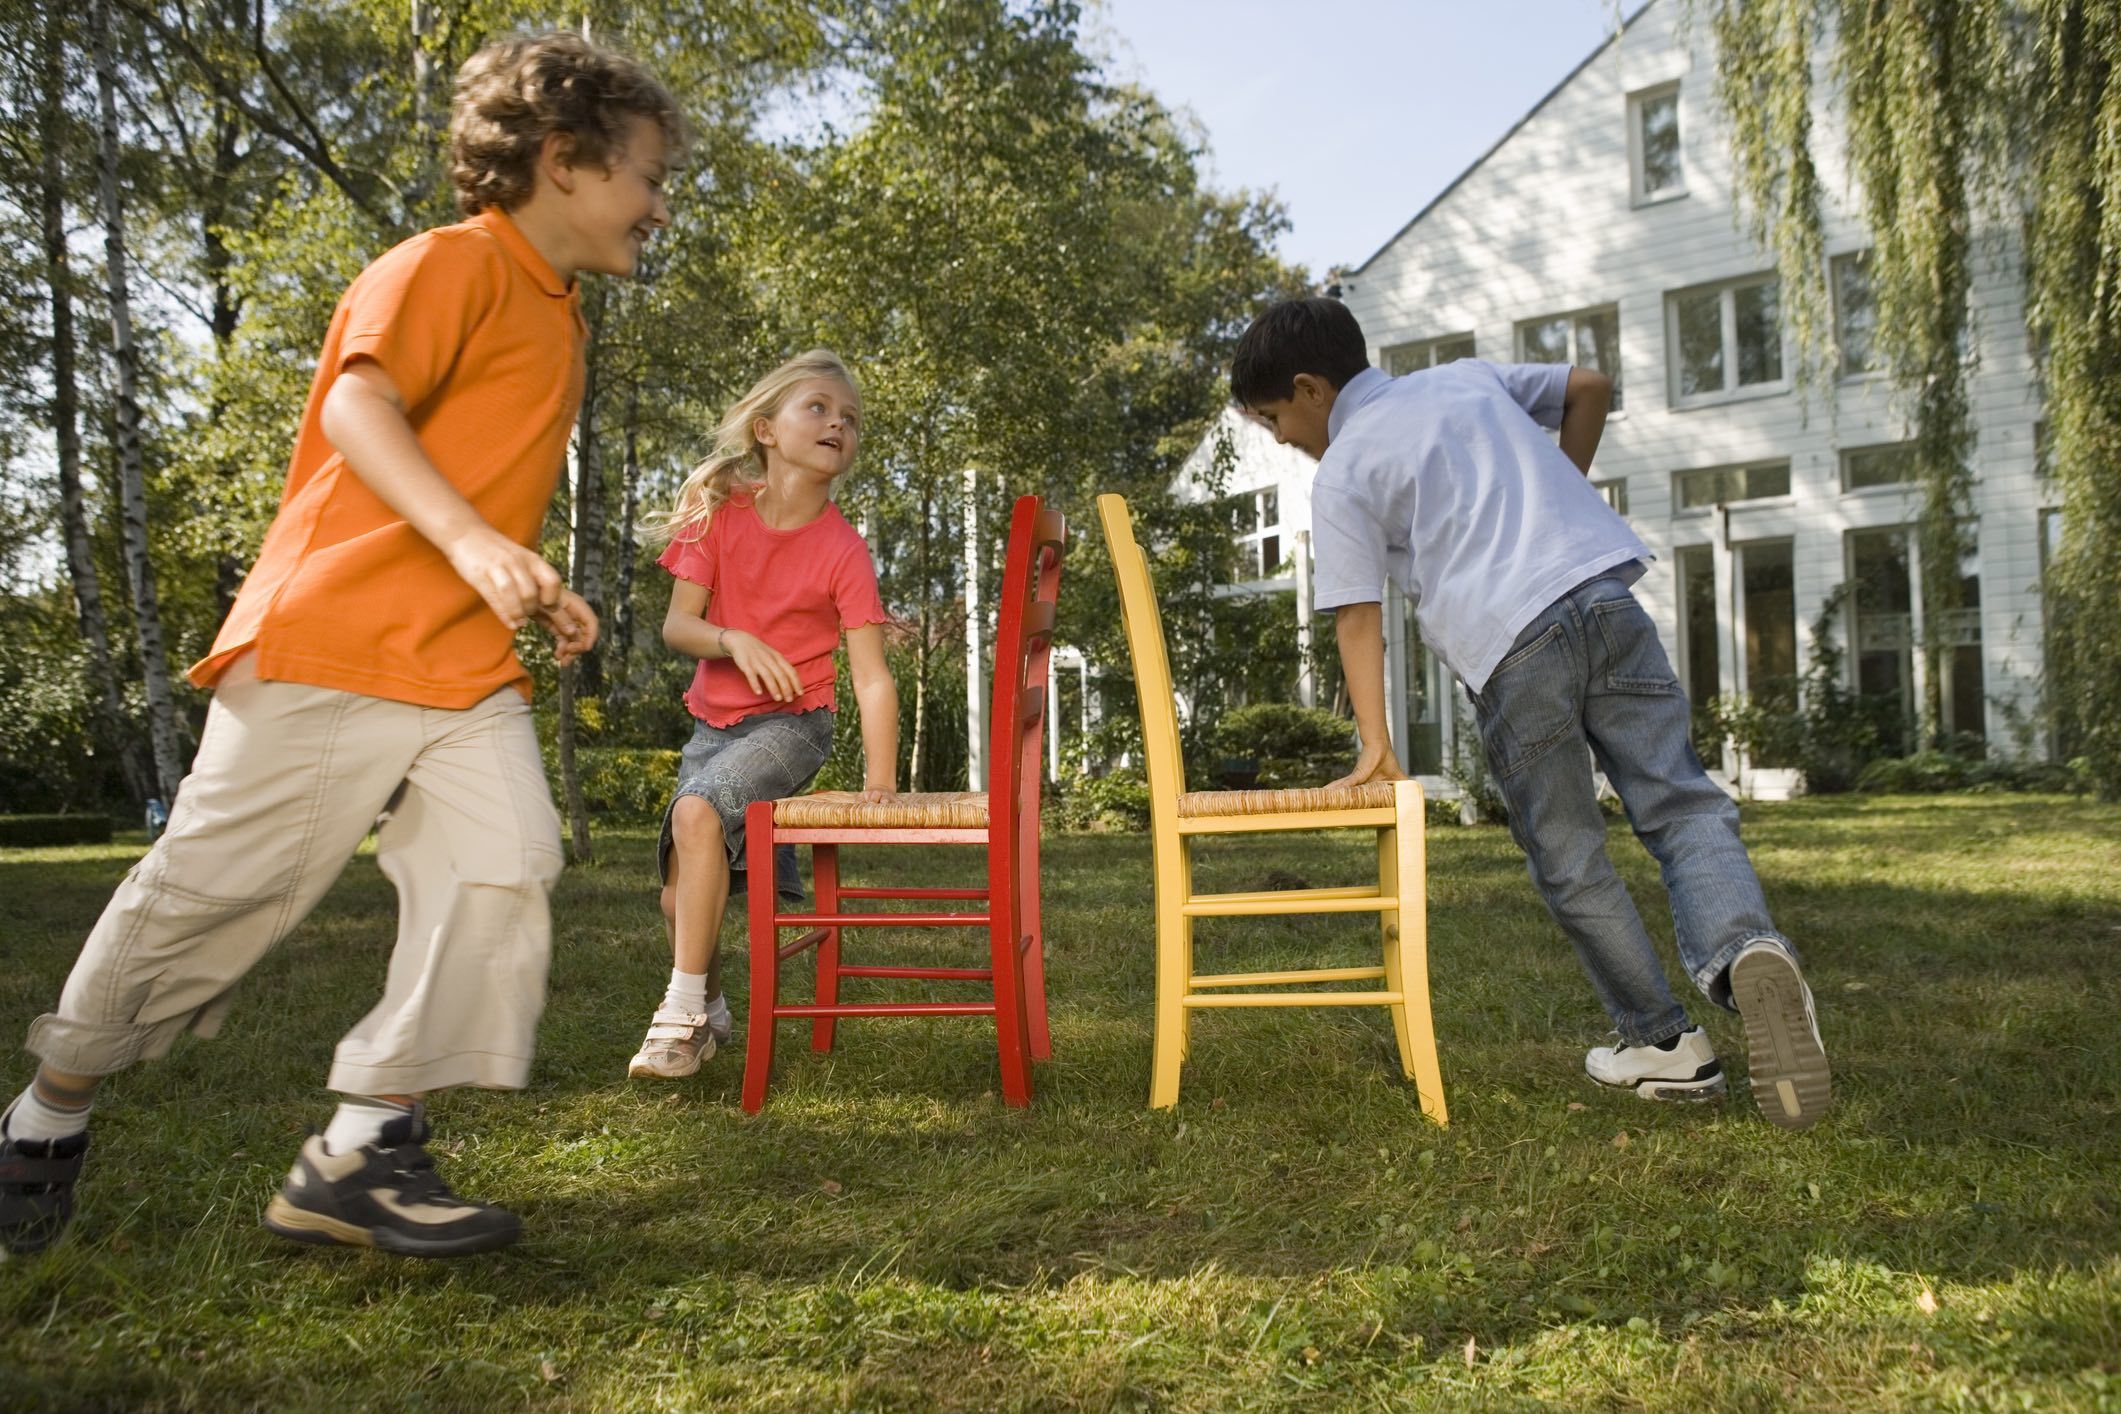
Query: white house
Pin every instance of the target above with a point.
(1601, 230)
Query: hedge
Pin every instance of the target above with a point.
(32, 831)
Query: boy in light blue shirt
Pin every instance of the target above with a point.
(1445, 481)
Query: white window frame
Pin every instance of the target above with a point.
(1779, 498)
(1251, 541)
(1574, 358)
(1615, 491)
(1879, 487)
(1917, 623)
(1418, 354)
(1726, 292)
(1638, 192)
(1842, 370)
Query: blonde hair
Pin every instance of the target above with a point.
(514, 93)
(738, 458)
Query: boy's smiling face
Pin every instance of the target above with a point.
(617, 206)
(1299, 420)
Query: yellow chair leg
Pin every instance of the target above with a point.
(1174, 975)
(1402, 869)
(1185, 1013)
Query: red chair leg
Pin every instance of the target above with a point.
(1034, 952)
(825, 861)
(1009, 1024)
(763, 901)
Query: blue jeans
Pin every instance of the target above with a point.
(1588, 680)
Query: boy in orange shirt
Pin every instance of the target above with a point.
(367, 669)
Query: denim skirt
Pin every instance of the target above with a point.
(766, 756)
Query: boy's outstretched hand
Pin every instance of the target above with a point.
(573, 625)
(1376, 763)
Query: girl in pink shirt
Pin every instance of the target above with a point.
(767, 575)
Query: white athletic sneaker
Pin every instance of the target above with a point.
(1688, 1071)
(676, 1043)
(1785, 1058)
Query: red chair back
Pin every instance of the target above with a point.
(1023, 662)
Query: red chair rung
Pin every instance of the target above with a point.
(866, 892)
(932, 974)
(806, 942)
(881, 920)
(890, 1009)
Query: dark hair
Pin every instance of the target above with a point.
(513, 93)
(1315, 336)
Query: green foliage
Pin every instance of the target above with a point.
(1818, 726)
(1117, 801)
(1937, 772)
(33, 831)
(1293, 746)
(622, 783)
(1957, 110)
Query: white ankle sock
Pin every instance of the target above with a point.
(688, 992)
(32, 1119)
(360, 1121)
(717, 1013)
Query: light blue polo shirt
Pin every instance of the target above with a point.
(1444, 481)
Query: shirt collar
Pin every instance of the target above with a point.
(1352, 395)
(526, 255)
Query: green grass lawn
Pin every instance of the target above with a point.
(887, 1234)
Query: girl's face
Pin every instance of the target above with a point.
(816, 430)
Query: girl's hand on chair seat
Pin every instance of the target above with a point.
(1375, 764)
(877, 795)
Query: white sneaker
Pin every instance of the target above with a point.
(1785, 1058)
(1688, 1071)
(676, 1043)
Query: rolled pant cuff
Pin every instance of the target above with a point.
(482, 1070)
(105, 1047)
(1714, 980)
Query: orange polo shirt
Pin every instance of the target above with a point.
(484, 343)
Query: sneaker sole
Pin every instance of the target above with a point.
(1702, 1088)
(300, 1225)
(1787, 1066)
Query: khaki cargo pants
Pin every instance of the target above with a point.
(288, 780)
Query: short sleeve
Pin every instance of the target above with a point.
(1347, 548)
(412, 310)
(691, 556)
(1538, 388)
(854, 591)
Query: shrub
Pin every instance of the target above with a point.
(1295, 746)
(632, 782)
(1116, 802)
(31, 831)
(1931, 772)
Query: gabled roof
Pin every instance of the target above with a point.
(1458, 180)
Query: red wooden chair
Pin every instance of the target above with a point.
(1004, 819)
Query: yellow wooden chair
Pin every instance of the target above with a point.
(1177, 817)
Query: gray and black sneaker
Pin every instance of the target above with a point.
(36, 1190)
(1681, 1067)
(385, 1195)
(1784, 1055)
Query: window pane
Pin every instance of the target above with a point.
(1878, 466)
(1615, 493)
(1543, 341)
(1770, 623)
(1771, 480)
(1598, 346)
(1884, 635)
(1451, 350)
(1856, 312)
(1698, 488)
(1700, 319)
(1269, 555)
(1660, 143)
(1758, 309)
(1406, 358)
(1697, 603)
(1270, 507)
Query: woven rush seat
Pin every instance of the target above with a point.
(1198, 804)
(846, 810)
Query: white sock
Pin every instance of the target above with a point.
(32, 1119)
(360, 1121)
(717, 1013)
(688, 992)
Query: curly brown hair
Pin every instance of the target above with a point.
(514, 93)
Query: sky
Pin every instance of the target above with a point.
(1355, 113)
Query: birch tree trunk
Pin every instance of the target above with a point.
(66, 418)
(617, 670)
(917, 762)
(132, 488)
(583, 571)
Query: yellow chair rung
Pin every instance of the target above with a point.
(1300, 820)
(1316, 974)
(1296, 999)
(1288, 901)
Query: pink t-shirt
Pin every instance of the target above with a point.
(795, 589)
